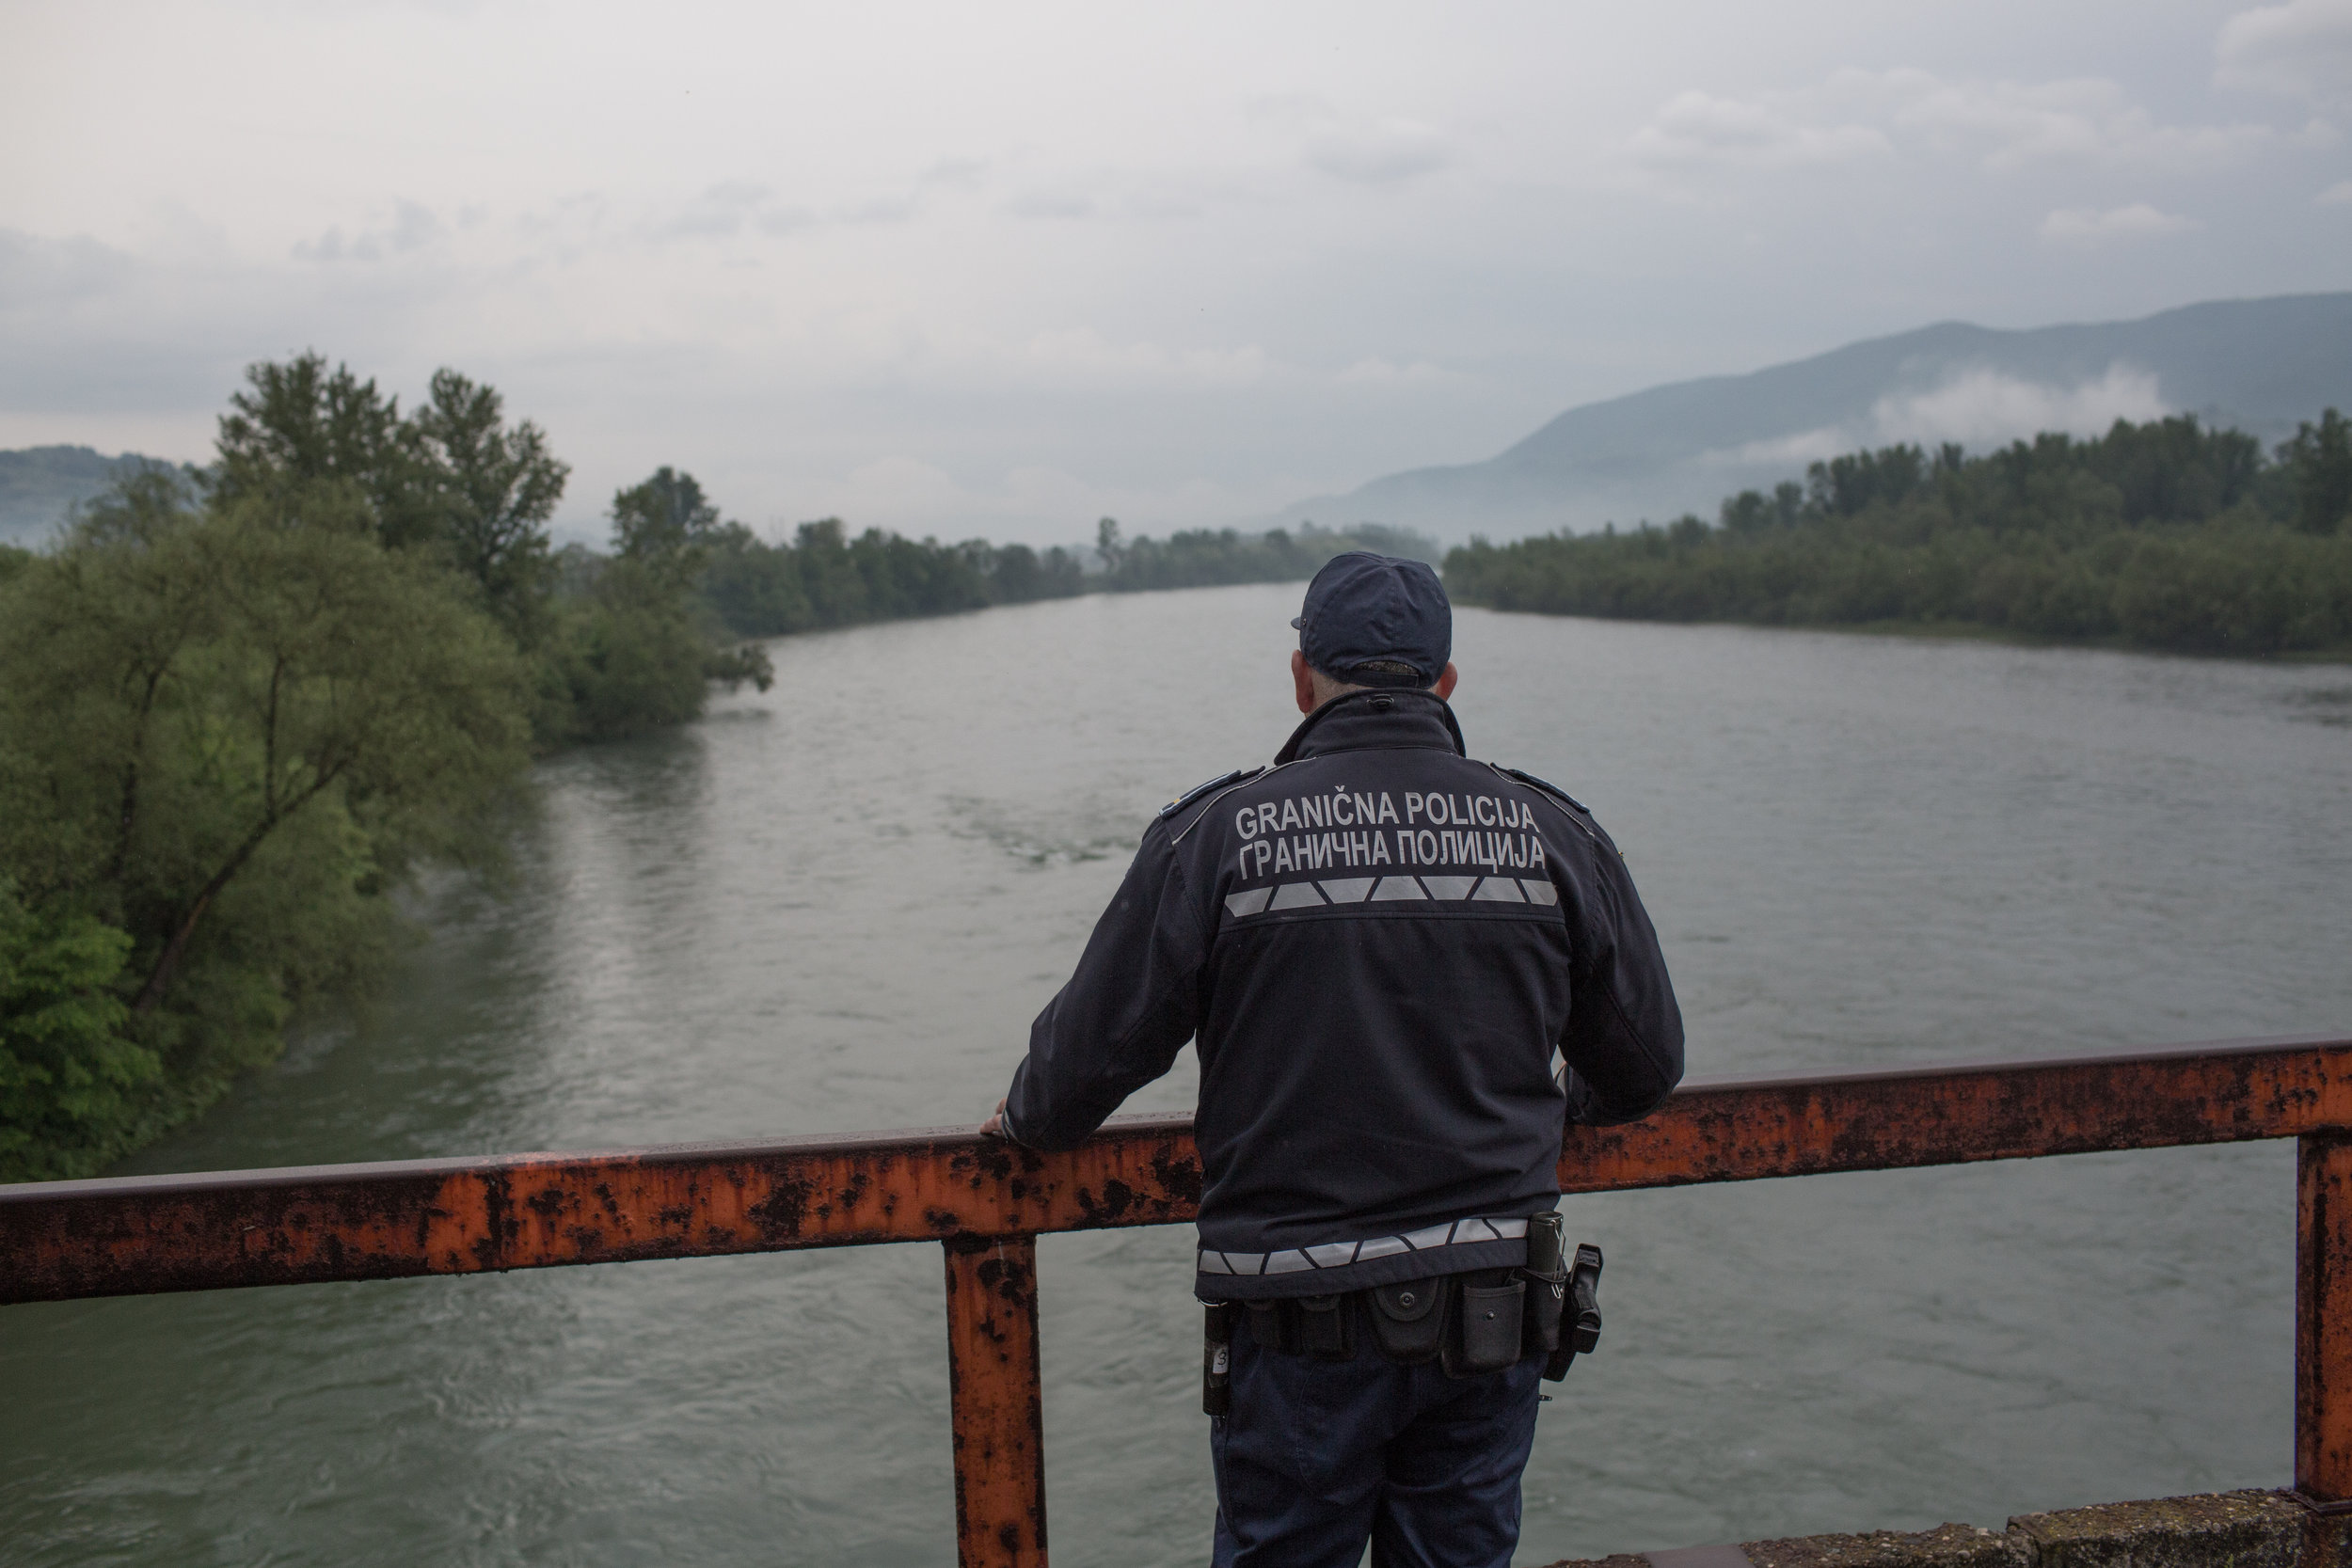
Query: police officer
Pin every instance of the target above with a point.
(1379, 945)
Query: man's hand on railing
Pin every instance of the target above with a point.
(994, 1126)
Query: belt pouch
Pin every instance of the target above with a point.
(1322, 1327)
(1408, 1319)
(1217, 1358)
(1487, 1337)
(1275, 1325)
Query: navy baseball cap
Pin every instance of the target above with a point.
(1376, 620)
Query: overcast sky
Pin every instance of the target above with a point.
(1001, 269)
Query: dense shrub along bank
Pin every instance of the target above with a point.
(237, 710)
(2158, 535)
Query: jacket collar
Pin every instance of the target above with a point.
(1379, 719)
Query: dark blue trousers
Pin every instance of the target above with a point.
(1317, 1457)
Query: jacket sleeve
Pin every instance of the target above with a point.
(1119, 1021)
(1622, 1048)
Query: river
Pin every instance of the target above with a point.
(837, 906)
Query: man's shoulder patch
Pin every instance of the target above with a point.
(1548, 787)
(1197, 791)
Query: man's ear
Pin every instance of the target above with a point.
(1444, 688)
(1302, 681)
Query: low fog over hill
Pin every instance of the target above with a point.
(2260, 365)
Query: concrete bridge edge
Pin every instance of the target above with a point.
(2218, 1530)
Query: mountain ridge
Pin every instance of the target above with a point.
(2261, 364)
(39, 485)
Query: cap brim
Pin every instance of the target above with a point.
(1298, 623)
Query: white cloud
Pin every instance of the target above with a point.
(1977, 408)
(2337, 195)
(2088, 226)
(1982, 407)
(2301, 48)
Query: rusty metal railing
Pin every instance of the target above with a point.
(988, 1201)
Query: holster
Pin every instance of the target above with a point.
(1580, 1329)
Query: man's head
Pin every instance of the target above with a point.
(1372, 620)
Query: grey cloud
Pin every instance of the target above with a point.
(882, 210)
(1387, 154)
(1696, 128)
(1062, 205)
(413, 226)
(734, 207)
(38, 275)
(1857, 115)
(2301, 48)
(955, 174)
(2094, 226)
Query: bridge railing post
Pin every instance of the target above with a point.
(996, 1402)
(2323, 1317)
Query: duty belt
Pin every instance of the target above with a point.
(1472, 1324)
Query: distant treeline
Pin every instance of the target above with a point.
(1204, 558)
(825, 576)
(2158, 535)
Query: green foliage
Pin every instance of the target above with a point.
(2159, 535)
(629, 657)
(637, 646)
(223, 734)
(68, 1071)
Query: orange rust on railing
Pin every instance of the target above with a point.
(987, 1200)
(995, 1399)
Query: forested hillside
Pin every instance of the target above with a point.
(2158, 535)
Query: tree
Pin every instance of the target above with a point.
(497, 488)
(2320, 459)
(298, 424)
(181, 688)
(664, 525)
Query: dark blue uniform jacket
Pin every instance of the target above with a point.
(1379, 945)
